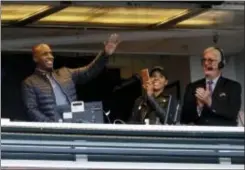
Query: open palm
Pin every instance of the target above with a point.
(111, 44)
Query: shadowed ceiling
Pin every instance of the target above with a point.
(144, 27)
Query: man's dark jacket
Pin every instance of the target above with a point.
(38, 94)
(226, 103)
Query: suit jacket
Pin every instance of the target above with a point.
(153, 108)
(38, 93)
(226, 103)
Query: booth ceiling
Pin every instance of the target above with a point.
(115, 15)
(171, 28)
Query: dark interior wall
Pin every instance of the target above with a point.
(16, 67)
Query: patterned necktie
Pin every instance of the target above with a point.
(210, 88)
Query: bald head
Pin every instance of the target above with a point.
(42, 56)
(40, 48)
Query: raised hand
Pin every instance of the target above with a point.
(111, 44)
(148, 86)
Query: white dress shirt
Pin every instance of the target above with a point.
(214, 82)
(199, 110)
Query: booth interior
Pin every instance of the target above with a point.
(171, 35)
(145, 43)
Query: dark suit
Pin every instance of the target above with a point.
(226, 103)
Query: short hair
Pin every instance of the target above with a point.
(214, 50)
(35, 47)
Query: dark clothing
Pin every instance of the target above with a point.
(226, 103)
(38, 93)
(152, 108)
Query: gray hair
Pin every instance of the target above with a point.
(214, 51)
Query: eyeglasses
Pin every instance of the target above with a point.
(208, 60)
